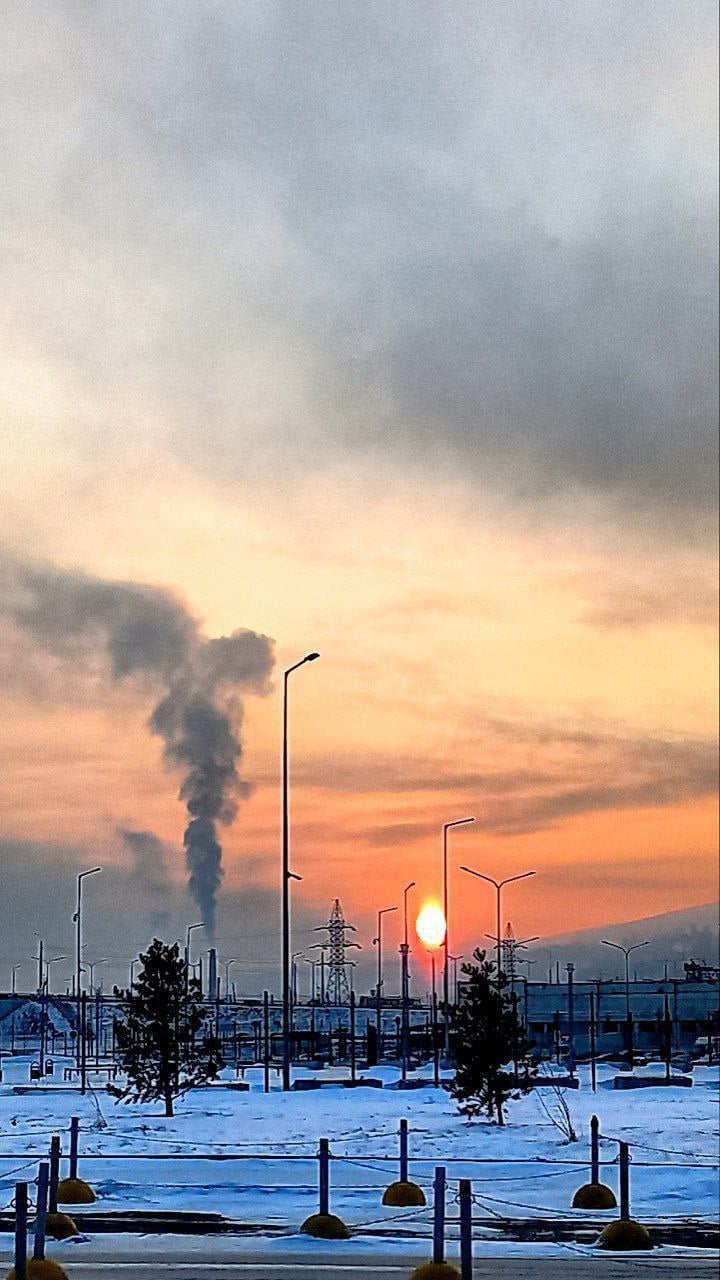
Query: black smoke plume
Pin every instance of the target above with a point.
(147, 632)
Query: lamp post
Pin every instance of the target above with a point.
(454, 962)
(627, 951)
(12, 1019)
(200, 924)
(378, 942)
(287, 875)
(78, 922)
(499, 886)
(436, 1055)
(92, 965)
(405, 982)
(296, 955)
(447, 826)
(77, 918)
(44, 992)
(228, 963)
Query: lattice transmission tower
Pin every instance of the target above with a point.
(338, 991)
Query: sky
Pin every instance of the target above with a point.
(386, 331)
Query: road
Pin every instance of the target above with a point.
(308, 1266)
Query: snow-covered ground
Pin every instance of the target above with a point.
(250, 1156)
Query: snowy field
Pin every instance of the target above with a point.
(250, 1156)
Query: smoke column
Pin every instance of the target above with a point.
(146, 631)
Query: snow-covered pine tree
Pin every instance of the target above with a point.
(488, 1043)
(161, 1042)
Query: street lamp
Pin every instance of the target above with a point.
(626, 952)
(52, 960)
(12, 1019)
(405, 982)
(378, 943)
(91, 966)
(296, 955)
(287, 875)
(199, 925)
(78, 934)
(227, 976)
(447, 826)
(436, 1055)
(454, 960)
(499, 886)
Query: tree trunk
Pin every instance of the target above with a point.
(168, 1101)
(501, 1118)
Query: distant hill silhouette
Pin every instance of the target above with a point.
(675, 936)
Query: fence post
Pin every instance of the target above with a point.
(439, 1215)
(266, 1042)
(324, 1176)
(624, 1180)
(54, 1174)
(21, 1217)
(403, 1150)
(41, 1211)
(74, 1144)
(465, 1229)
(594, 1149)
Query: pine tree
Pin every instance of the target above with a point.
(488, 1043)
(161, 1041)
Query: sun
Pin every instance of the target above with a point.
(430, 925)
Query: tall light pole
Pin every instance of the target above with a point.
(52, 960)
(93, 871)
(92, 966)
(447, 826)
(200, 924)
(436, 1056)
(405, 982)
(627, 951)
(12, 1019)
(227, 976)
(78, 932)
(454, 960)
(287, 876)
(499, 886)
(378, 943)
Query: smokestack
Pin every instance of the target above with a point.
(212, 975)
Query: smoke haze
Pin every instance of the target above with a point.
(145, 631)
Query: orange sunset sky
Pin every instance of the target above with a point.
(387, 332)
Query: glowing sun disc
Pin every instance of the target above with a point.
(430, 925)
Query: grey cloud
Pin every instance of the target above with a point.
(584, 771)
(477, 239)
(145, 631)
(628, 607)
(38, 878)
(147, 853)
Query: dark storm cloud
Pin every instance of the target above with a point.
(146, 632)
(474, 238)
